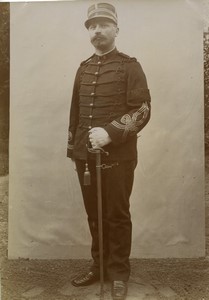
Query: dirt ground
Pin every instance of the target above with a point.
(151, 279)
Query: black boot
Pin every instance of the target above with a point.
(85, 279)
(119, 290)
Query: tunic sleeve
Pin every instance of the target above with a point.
(74, 115)
(138, 106)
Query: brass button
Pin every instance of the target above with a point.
(92, 94)
(91, 104)
(90, 116)
(94, 82)
(90, 127)
(96, 73)
(99, 62)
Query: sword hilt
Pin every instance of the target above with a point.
(95, 150)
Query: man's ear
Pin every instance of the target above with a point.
(117, 31)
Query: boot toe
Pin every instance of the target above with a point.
(119, 290)
(85, 279)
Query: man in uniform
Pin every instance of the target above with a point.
(110, 105)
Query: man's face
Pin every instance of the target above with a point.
(102, 34)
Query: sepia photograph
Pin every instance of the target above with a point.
(104, 150)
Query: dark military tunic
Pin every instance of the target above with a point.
(110, 91)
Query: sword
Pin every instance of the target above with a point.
(98, 151)
(100, 225)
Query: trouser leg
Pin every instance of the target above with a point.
(89, 193)
(116, 189)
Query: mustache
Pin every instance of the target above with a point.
(97, 36)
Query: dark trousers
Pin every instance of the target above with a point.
(117, 183)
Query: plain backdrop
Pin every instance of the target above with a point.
(46, 212)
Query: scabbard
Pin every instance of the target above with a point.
(100, 225)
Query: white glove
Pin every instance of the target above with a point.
(99, 137)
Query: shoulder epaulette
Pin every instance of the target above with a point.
(86, 61)
(127, 57)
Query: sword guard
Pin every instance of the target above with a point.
(95, 150)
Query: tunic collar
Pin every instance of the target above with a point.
(106, 55)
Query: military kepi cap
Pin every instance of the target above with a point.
(101, 10)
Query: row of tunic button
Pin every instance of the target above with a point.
(93, 93)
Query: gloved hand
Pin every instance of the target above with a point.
(99, 137)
